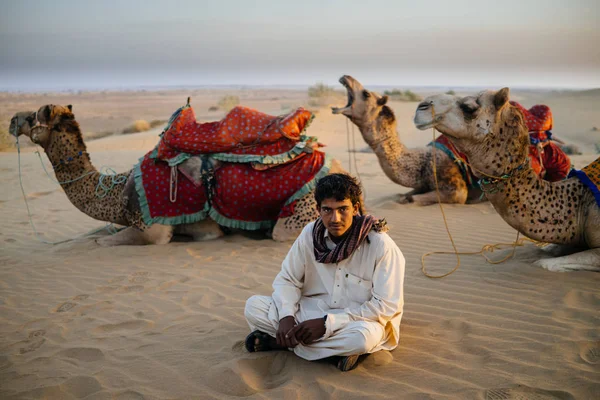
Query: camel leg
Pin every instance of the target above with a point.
(201, 231)
(558, 250)
(588, 260)
(154, 234)
(305, 211)
(406, 198)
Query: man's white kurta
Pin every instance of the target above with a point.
(367, 287)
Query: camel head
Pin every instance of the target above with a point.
(484, 126)
(363, 105)
(39, 125)
(471, 118)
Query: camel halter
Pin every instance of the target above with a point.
(101, 191)
(486, 248)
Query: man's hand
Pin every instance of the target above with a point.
(284, 337)
(309, 331)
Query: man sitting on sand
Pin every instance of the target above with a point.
(340, 289)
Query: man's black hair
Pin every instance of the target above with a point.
(339, 187)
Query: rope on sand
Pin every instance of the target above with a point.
(486, 248)
(110, 228)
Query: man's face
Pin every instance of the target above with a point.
(337, 215)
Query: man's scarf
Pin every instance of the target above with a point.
(361, 226)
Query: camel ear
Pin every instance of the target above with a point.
(70, 107)
(382, 100)
(501, 97)
(46, 111)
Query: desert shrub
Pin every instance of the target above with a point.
(321, 95)
(228, 102)
(213, 108)
(157, 122)
(451, 92)
(7, 141)
(320, 90)
(138, 126)
(398, 95)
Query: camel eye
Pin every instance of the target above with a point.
(366, 94)
(469, 108)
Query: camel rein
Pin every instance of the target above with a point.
(486, 248)
(108, 227)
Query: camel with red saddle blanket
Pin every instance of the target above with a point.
(492, 132)
(413, 167)
(249, 171)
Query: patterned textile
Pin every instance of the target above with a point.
(267, 164)
(241, 134)
(241, 197)
(590, 177)
(445, 145)
(361, 226)
(547, 159)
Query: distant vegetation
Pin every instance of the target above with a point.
(399, 95)
(320, 95)
(138, 126)
(451, 92)
(7, 141)
(228, 102)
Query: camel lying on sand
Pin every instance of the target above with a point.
(493, 134)
(54, 128)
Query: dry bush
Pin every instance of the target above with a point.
(399, 95)
(213, 108)
(228, 102)
(7, 141)
(321, 95)
(157, 122)
(138, 126)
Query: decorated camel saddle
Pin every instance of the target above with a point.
(546, 157)
(244, 171)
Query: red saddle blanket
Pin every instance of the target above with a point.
(241, 197)
(267, 164)
(243, 135)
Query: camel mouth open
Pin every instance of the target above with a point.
(338, 110)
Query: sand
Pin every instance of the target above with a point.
(154, 322)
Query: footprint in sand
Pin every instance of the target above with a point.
(66, 306)
(245, 377)
(117, 279)
(37, 333)
(127, 326)
(590, 352)
(522, 392)
(138, 279)
(131, 289)
(87, 354)
(32, 346)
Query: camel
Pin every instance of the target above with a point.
(411, 168)
(54, 128)
(493, 134)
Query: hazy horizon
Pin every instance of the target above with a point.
(64, 45)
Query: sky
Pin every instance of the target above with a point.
(121, 44)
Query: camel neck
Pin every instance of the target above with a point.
(87, 189)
